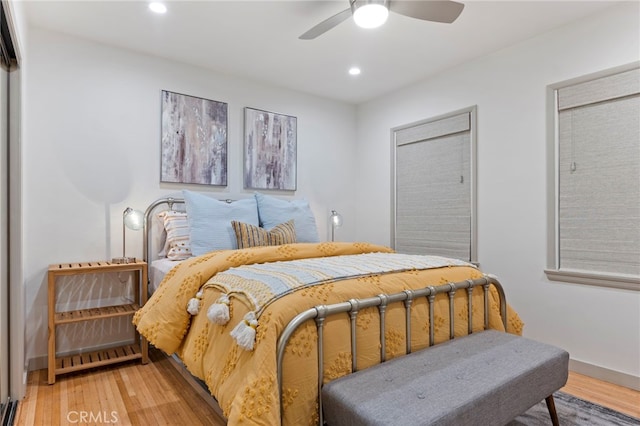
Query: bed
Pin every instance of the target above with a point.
(242, 373)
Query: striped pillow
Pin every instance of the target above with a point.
(253, 236)
(177, 245)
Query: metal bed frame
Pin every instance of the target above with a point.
(352, 307)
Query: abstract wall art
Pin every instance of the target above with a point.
(270, 144)
(194, 140)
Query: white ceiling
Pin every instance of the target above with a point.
(258, 40)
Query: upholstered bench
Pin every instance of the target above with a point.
(486, 378)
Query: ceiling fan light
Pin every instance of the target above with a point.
(370, 15)
(158, 7)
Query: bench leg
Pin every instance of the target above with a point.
(551, 406)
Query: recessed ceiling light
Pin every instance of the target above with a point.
(354, 71)
(158, 7)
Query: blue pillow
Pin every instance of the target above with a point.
(210, 221)
(273, 211)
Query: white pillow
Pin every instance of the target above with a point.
(273, 211)
(210, 221)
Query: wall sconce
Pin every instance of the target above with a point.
(336, 222)
(132, 219)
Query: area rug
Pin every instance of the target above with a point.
(574, 411)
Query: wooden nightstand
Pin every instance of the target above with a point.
(137, 350)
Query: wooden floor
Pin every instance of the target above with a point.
(123, 394)
(616, 397)
(156, 394)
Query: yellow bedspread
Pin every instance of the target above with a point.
(244, 382)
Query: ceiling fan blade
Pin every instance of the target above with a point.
(436, 11)
(326, 25)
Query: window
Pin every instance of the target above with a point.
(594, 235)
(433, 207)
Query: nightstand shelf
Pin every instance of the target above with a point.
(68, 364)
(81, 361)
(95, 313)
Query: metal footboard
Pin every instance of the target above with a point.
(353, 306)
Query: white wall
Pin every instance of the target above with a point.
(597, 326)
(93, 148)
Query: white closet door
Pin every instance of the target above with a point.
(433, 188)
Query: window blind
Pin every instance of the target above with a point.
(433, 188)
(599, 175)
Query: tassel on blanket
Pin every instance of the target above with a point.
(245, 332)
(193, 307)
(218, 313)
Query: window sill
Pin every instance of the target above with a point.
(625, 282)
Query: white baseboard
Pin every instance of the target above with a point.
(38, 363)
(605, 374)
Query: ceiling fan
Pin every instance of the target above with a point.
(373, 13)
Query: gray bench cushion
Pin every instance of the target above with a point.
(486, 378)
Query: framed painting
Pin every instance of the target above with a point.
(270, 144)
(194, 140)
